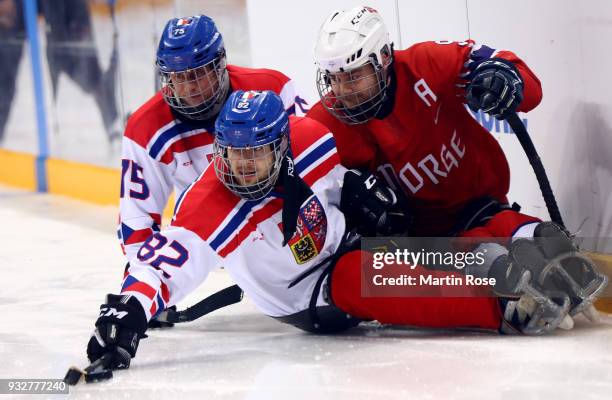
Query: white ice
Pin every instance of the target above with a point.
(60, 258)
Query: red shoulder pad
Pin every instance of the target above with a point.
(148, 119)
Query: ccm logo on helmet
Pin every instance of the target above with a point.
(357, 17)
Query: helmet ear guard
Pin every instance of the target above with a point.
(386, 55)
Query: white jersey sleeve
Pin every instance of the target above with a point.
(168, 266)
(287, 94)
(294, 103)
(146, 185)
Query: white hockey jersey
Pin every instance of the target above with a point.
(161, 153)
(214, 227)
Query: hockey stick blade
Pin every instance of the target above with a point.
(96, 371)
(228, 296)
(538, 168)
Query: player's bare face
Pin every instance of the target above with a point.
(251, 165)
(195, 86)
(355, 87)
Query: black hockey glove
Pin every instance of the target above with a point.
(119, 328)
(371, 207)
(495, 87)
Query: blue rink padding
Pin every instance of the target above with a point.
(30, 16)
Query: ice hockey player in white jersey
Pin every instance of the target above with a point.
(168, 141)
(272, 212)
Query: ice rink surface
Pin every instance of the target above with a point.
(61, 257)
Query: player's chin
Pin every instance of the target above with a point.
(247, 180)
(250, 181)
(351, 103)
(194, 101)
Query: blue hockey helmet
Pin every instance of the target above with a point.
(192, 67)
(251, 140)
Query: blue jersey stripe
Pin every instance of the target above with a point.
(128, 282)
(161, 306)
(180, 199)
(314, 155)
(176, 130)
(165, 137)
(234, 223)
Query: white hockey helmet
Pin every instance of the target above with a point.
(350, 40)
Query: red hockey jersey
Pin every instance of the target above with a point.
(430, 145)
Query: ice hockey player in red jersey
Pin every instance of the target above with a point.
(168, 141)
(272, 212)
(402, 114)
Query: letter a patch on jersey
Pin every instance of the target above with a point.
(310, 233)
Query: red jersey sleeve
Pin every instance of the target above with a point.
(445, 66)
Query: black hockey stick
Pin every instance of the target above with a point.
(538, 168)
(98, 370)
(230, 295)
